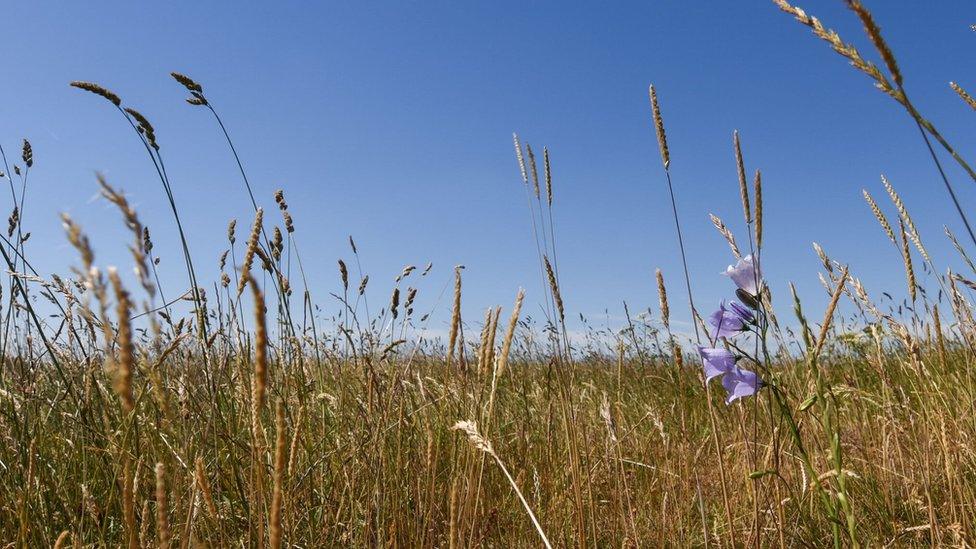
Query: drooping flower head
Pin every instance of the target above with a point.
(716, 362)
(730, 319)
(746, 276)
(740, 383)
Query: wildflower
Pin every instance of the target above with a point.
(740, 383)
(730, 320)
(716, 362)
(746, 276)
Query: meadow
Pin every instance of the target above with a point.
(138, 416)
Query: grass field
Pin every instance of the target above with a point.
(226, 417)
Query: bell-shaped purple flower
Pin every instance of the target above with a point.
(740, 383)
(746, 275)
(716, 362)
(730, 319)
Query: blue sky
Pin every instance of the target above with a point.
(392, 122)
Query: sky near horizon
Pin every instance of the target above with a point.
(392, 122)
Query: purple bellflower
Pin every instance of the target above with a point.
(716, 362)
(730, 319)
(740, 383)
(746, 276)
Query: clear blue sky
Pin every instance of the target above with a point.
(392, 122)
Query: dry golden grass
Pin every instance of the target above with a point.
(386, 475)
